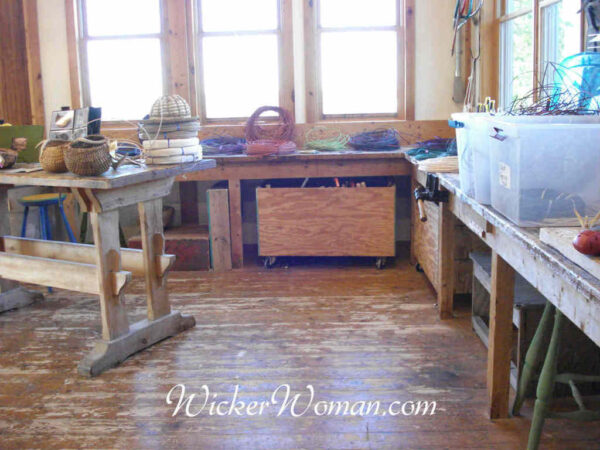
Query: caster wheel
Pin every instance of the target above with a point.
(270, 262)
(380, 263)
(418, 268)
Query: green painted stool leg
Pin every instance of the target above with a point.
(545, 386)
(533, 357)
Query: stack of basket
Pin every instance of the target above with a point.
(170, 134)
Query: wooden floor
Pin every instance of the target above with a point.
(354, 333)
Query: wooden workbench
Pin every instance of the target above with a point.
(104, 268)
(570, 288)
(234, 169)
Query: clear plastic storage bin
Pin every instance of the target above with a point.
(542, 168)
(472, 142)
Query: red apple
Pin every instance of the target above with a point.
(587, 242)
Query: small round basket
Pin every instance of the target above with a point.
(52, 158)
(89, 156)
(8, 158)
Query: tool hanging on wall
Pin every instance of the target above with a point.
(463, 13)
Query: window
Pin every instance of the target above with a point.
(121, 53)
(554, 27)
(561, 34)
(242, 50)
(358, 66)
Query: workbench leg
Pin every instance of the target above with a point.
(153, 245)
(446, 233)
(500, 336)
(235, 218)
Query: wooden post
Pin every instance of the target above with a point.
(220, 231)
(106, 237)
(235, 219)
(446, 234)
(153, 245)
(500, 336)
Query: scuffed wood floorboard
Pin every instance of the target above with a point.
(354, 333)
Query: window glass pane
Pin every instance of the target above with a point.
(561, 32)
(240, 74)
(239, 15)
(356, 79)
(517, 63)
(133, 17)
(352, 13)
(125, 76)
(517, 5)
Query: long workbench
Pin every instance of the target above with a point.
(104, 268)
(237, 168)
(571, 289)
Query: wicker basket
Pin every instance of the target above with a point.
(89, 156)
(170, 107)
(52, 156)
(8, 158)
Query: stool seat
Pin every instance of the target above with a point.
(42, 199)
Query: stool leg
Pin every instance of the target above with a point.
(66, 222)
(48, 226)
(24, 225)
(545, 386)
(533, 357)
(43, 222)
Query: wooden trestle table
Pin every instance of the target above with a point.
(104, 268)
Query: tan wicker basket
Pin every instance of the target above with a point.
(89, 156)
(52, 156)
(8, 158)
(169, 107)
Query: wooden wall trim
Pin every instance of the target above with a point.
(310, 61)
(286, 59)
(490, 50)
(34, 65)
(178, 73)
(72, 48)
(409, 60)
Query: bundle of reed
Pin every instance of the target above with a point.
(446, 164)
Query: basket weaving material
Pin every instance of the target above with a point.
(169, 143)
(89, 156)
(174, 151)
(188, 125)
(52, 158)
(283, 131)
(171, 159)
(268, 147)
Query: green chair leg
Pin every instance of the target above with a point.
(545, 386)
(533, 357)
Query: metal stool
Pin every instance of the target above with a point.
(43, 201)
(548, 377)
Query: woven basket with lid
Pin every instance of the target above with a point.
(52, 158)
(89, 156)
(170, 107)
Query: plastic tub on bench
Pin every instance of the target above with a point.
(543, 167)
(472, 132)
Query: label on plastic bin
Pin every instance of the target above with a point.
(504, 175)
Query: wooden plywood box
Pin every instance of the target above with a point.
(326, 221)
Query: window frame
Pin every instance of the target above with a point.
(405, 58)
(83, 38)
(537, 10)
(285, 61)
